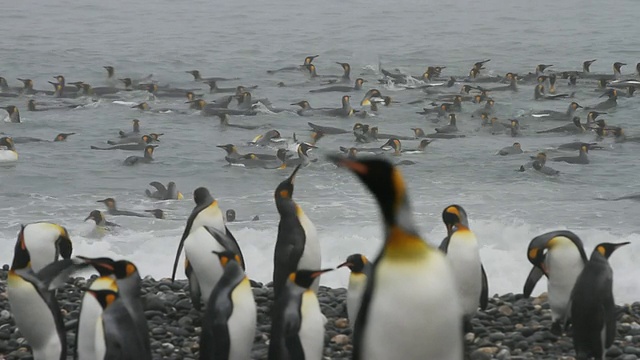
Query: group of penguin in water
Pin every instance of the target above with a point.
(410, 288)
(413, 301)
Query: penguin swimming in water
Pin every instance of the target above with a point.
(164, 193)
(8, 154)
(297, 246)
(560, 256)
(593, 309)
(582, 157)
(516, 148)
(142, 144)
(360, 268)
(110, 203)
(128, 284)
(406, 268)
(199, 239)
(558, 115)
(14, 114)
(146, 159)
(461, 247)
(101, 224)
(29, 287)
(25, 139)
(229, 322)
(297, 327)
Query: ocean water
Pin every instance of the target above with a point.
(61, 182)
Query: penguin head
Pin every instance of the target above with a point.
(540, 245)
(141, 106)
(7, 142)
(152, 88)
(104, 297)
(146, 139)
(303, 104)
(587, 64)
(304, 278)
(227, 256)
(574, 105)
(96, 216)
(454, 216)
(309, 59)
(517, 145)
(345, 100)
(156, 213)
(474, 72)
(28, 83)
(148, 150)
(423, 144)
(316, 136)
(110, 203)
(584, 149)
(383, 180)
(284, 191)
(195, 73)
(229, 148)
(155, 136)
(31, 105)
(606, 249)
(11, 109)
(127, 82)
(515, 123)
(477, 99)
(359, 82)
(304, 148)
(611, 93)
(190, 96)
(86, 88)
(355, 263)
(60, 79)
(452, 119)
(230, 215)
(352, 153)
(542, 67)
(202, 196)
(58, 235)
(345, 66)
(466, 88)
(418, 132)
(490, 102)
(62, 136)
(617, 66)
(110, 71)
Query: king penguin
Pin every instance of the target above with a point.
(560, 256)
(128, 284)
(297, 326)
(34, 306)
(360, 270)
(412, 289)
(45, 242)
(202, 266)
(90, 310)
(229, 322)
(116, 336)
(461, 247)
(593, 309)
(297, 245)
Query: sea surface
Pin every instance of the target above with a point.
(61, 182)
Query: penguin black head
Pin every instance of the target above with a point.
(309, 59)
(227, 256)
(11, 109)
(352, 153)
(539, 246)
(466, 88)
(202, 196)
(7, 142)
(195, 73)
(393, 143)
(423, 144)
(542, 67)
(230, 215)
(96, 216)
(141, 106)
(148, 150)
(110, 71)
(304, 278)
(281, 154)
(383, 180)
(617, 66)
(62, 136)
(452, 119)
(611, 93)
(517, 145)
(418, 132)
(592, 115)
(285, 188)
(606, 249)
(355, 263)
(345, 66)
(454, 216)
(60, 79)
(574, 105)
(155, 136)
(587, 64)
(229, 148)
(28, 83)
(345, 100)
(104, 297)
(156, 213)
(601, 123)
(303, 104)
(110, 203)
(31, 105)
(584, 148)
(573, 80)
(360, 82)
(127, 82)
(305, 147)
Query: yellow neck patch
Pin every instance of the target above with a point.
(401, 245)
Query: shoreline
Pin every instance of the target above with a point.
(511, 328)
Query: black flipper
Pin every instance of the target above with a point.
(533, 278)
(444, 246)
(484, 294)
